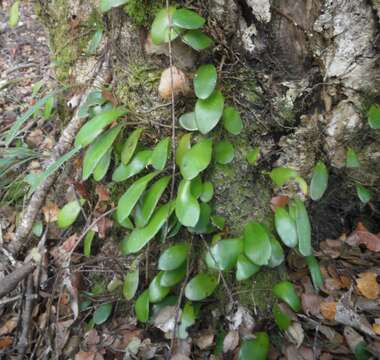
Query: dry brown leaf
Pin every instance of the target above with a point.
(180, 83)
(368, 285)
(102, 192)
(85, 355)
(328, 309)
(50, 211)
(295, 333)
(108, 95)
(303, 353)
(103, 225)
(205, 339)
(332, 284)
(311, 304)
(362, 236)
(8, 326)
(376, 328)
(231, 341)
(278, 201)
(35, 138)
(5, 342)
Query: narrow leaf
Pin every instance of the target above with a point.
(101, 168)
(282, 320)
(319, 181)
(285, 291)
(303, 228)
(285, 227)
(277, 253)
(207, 192)
(87, 243)
(160, 154)
(138, 163)
(253, 156)
(130, 145)
(374, 116)
(131, 283)
(14, 14)
(363, 194)
(184, 145)
(315, 271)
(95, 41)
(142, 307)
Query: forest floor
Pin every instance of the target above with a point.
(66, 314)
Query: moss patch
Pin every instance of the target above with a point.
(142, 12)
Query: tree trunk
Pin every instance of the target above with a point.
(301, 73)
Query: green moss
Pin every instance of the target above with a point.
(142, 11)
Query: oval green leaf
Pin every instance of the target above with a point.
(160, 31)
(138, 163)
(101, 168)
(184, 144)
(232, 121)
(209, 111)
(14, 14)
(224, 152)
(142, 307)
(96, 125)
(207, 192)
(205, 81)
(187, 121)
(281, 175)
(319, 181)
(257, 245)
(196, 186)
(173, 257)
(140, 237)
(363, 194)
(352, 160)
(245, 268)
(282, 320)
(130, 145)
(131, 283)
(128, 201)
(196, 159)
(253, 156)
(277, 254)
(303, 228)
(187, 19)
(285, 227)
(157, 292)
(69, 213)
(201, 286)
(173, 277)
(224, 254)
(374, 116)
(197, 40)
(97, 150)
(102, 313)
(285, 291)
(315, 271)
(256, 349)
(203, 225)
(160, 154)
(188, 316)
(149, 201)
(187, 207)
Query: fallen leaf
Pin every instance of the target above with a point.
(353, 339)
(311, 304)
(102, 192)
(103, 225)
(85, 355)
(368, 285)
(302, 353)
(165, 318)
(295, 333)
(278, 201)
(8, 326)
(35, 138)
(5, 342)
(242, 320)
(376, 328)
(362, 236)
(180, 83)
(328, 310)
(50, 211)
(205, 339)
(231, 341)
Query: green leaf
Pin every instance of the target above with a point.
(257, 245)
(95, 42)
(101, 168)
(173, 257)
(188, 317)
(361, 351)
(285, 291)
(245, 268)
(131, 283)
(37, 228)
(282, 320)
(224, 152)
(277, 254)
(205, 81)
(160, 154)
(49, 107)
(232, 121)
(160, 31)
(94, 97)
(157, 292)
(87, 243)
(201, 286)
(14, 14)
(173, 277)
(197, 40)
(285, 227)
(281, 175)
(223, 254)
(126, 223)
(186, 207)
(138, 163)
(209, 111)
(188, 122)
(363, 194)
(196, 186)
(187, 19)
(184, 145)
(106, 5)
(256, 349)
(196, 159)
(149, 201)
(303, 228)
(352, 160)
(97, 150)
(315, 271)
(96, 125)
(130, 145)
(374, 116)
(142, 307)
(319, 181)
(69, 213)
(203, 224)
(140, 237)
(207, 192)
(129, 199)
(102, 313)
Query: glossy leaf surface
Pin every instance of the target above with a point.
(256, 349)
(303, 228)
(232, 121)
(160, 31)
(157, 292)
(187, 207)
(130, 145)
(131, 283)
(197, 40)
(257, 245)
(205, 81)
(319, 181)
(187, 19)
(142, 307)
(137, 164)
(285, 227)
(188, 122)
(102, 313)
(201, 286)
(245, 268)
(224, 152)
(285, 291)
(173, 257)
(196, 159)
(209, 111)
(160, 154)
(224, 254)
(69, 213)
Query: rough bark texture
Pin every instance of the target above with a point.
(301, 72)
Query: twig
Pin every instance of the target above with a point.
(11, 281)
(64, 144)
